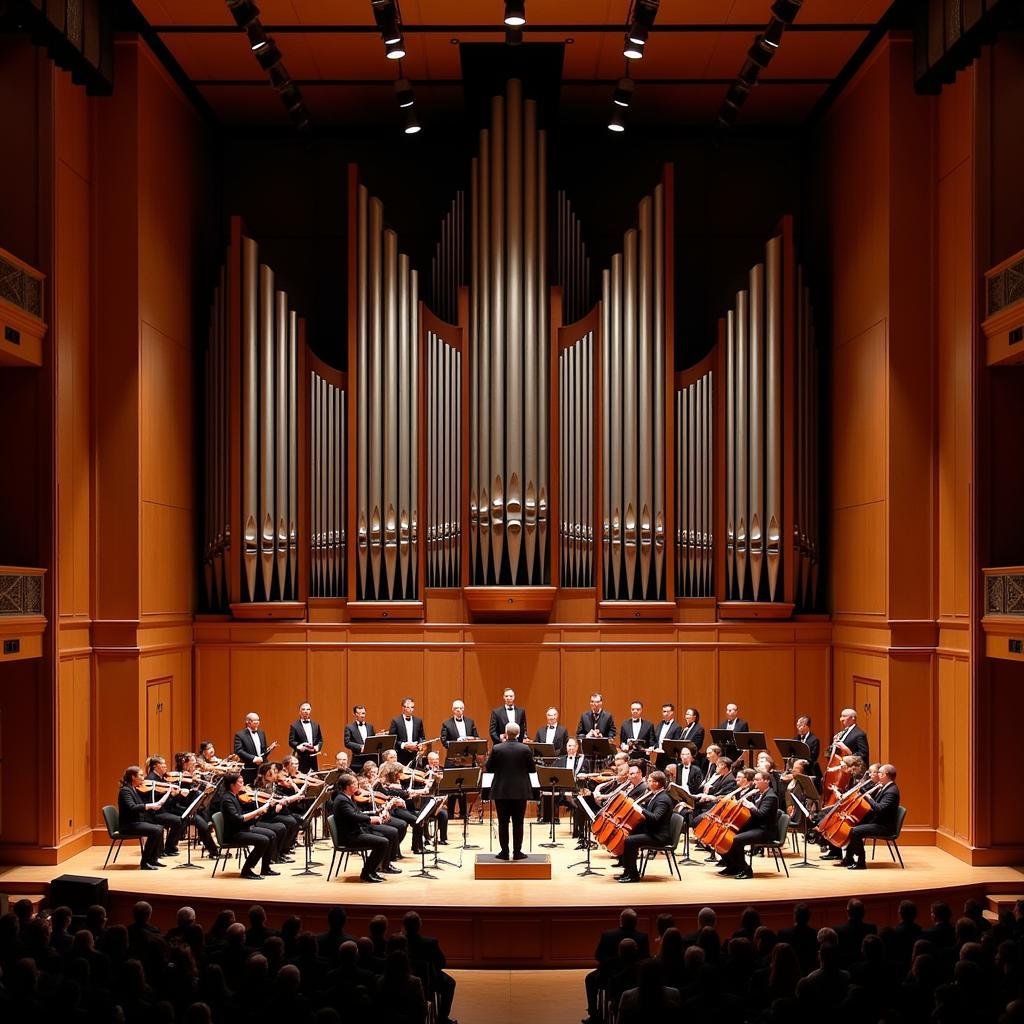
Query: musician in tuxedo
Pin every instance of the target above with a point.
(508, 712)
(636, 727)
(408, 731)
(133, 812)
(459, 727)
(733, 723)
(851, 739)
(369, 832)
(242, 826)
(511, 764)
(571, 759)
(356, 733)
(668, 729)
(804, 735)
(553, 733)
(251, 747)
(653, 830)
(305, 739)
(881, 819)
(760, 827)
(714, 786)
(688, 775)
(596, 722)
(637, 785)
(692, 730)
(169, 817)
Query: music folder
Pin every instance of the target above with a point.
(471, 747)
(681, 794)
(486, 782)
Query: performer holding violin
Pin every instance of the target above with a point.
(187, 777)
(370, 832)
(156, 770)
(239, 826)
(251, 747)
(133, 810)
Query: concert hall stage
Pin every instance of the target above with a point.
(531, 923)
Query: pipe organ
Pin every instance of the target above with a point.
(456, 437)
(386, 411)
(633, 443)
(508, 339)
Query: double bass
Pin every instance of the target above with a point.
(617, 820)
(837, 774)
(726, 819)
(849, 810)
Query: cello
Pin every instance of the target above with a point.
(619, 816)
(720, 826)
(849, 810)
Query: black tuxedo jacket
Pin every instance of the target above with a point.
(604, 723)
(722, 784)
(450, 731)
(511, 763)
(694, 778)
(674, 732)
(397, 727)
(499, 719)
(297, 736)
(857, 741)
(234, 820)
(562, 762)
(766, 813)
(354, 742)
(694, 733)
(885, 806)
(246, 750)
(131, 807)
(657, 814)
(645, 736)
(561, 735)
(742, 725)
(814, 745)
(348, 819)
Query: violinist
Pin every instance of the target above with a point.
(760, 828)
(278, 817)
(133, 810)
(367, 831)
(604, 791)
(766, 763)
(653, 830)
(881, 819)
(434, 773)
(186, 769)
(242, 825)
(390, 784)
(208, 760)
(291, 783)
(156, 769)
(368, 794)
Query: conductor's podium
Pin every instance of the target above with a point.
(488, 865)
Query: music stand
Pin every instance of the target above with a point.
(428, 808)
(188, 818)
(557, 780)
(788, 748)
(726, 739)
(590, 815)
(471, 747)
(329, 777)
(307, 829)
(596, 746)
(461, 781)
(541, 751)
(808, 795)
(750, 741)
(673, 747)
(376, 745)
(686, 797)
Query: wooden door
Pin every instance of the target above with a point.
(158, 719)
(868, 705)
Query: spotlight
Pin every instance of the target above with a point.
(623, 92)
(257, 37)
(642, 21)
(395, 50)
(515, 13)
(773, 33)
(637, 34)
(269, 55)
(786, 10)
(291, 97)
(412, 124)
(761, 52)
(245, 12)
(513, 36)
(631, 50)
(617, 122)
(385, 14)
(749, 72)
(737, 94)
(403, 90)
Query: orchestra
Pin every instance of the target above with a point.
(267, 800)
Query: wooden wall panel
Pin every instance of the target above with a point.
(175, 666)
(74, 714)
(812, 689)
(953, 745)
(213, 719)
(118, 724)
(167, 573)
(652, 676)
(761, 683)
(698, 683)
(381, 678)
(327, 691)
(442, 683)
(908, 731)
(859, 559)
(270, 682)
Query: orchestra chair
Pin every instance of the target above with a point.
(341, 852)
(225, 845)
(777, 846)
(113, 822)
(648, 853)
(892, 841)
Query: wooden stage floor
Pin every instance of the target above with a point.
(532, 923)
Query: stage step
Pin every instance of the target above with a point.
(536, 865)
(1002, 901)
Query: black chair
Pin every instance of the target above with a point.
(225, 845)
(113, 822)
(648, 853)
(776, 846)
(341, 852)
(892, 841)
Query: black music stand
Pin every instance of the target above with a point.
(461, 781)
(472, 747)
(307, 830)
(726, 739)
(596, 746)
(589, 815)
(188, 820)
(541, 751)
(673, 747)
(808, 795)
(329, 777)
(558, 780)
(788, 748)
(686, 797)
(750, 741)
(376, 745)
(429, 806)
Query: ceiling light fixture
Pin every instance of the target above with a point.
(245, 12)
(388, 19)
(515, 13)
(631, 50)
(412, 124)
(617, 122)
(395, 50)
(786, 10)
(403, 92)
(623, 92)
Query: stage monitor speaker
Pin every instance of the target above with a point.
(79, 892)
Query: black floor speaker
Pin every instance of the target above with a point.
(79, 892)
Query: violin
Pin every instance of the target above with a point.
(160, 787)
(249, 795)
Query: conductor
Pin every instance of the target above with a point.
(511, 762)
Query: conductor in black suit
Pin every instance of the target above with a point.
(251, 747)
(881, 821)
(653, 830)
(508, 712)
(408, 732)
(804, 735)
(356, 733)
(596, 722)
(305, 739)
(459, 727)
(760, 827)
(552, 732)
(636, 727)
(851, 739)
(511, 763)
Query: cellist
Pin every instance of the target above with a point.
(653, 830)
(764, 816)
(881, 821)
(856, 774)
